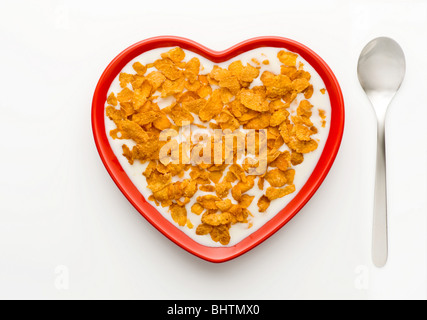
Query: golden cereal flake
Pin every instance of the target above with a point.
(192, 69)
(155, 79)
(221, 234)
(283, 161)
(143, 119)
(212, 108)
(253, 101)
(204, 229)
(246, 200)
(301, 146)
(322, 114)
(224, 205)
(181, 116)
(290, 175)
(173, 87)
(125, 79)
(176, 54)
(179, 214)
(276, 193)
(168, 68)
(207, 188)
(279, 117)
(302, 132)
(287, 58)
(139, 68)
(276, 178)
(263, 204)
(125, 95)
(222, 189)
(214, 219)
(112, 100)
(197, 208)
(208, 201)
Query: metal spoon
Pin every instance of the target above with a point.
(381, 70)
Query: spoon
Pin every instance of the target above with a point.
(381, 69)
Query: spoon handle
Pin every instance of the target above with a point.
(379, 236)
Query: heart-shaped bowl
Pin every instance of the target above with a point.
(217, 254)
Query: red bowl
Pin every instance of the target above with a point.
(117, 173)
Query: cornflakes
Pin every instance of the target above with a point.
(208, 202)
(212, 108)
(263, 204)
(215, 220)
(276, 178)
(275, 193)
(283, 161)
(112, 100)
(246, 200)
(322, 114)
(155, 79)
(204, 229)
(139, 68)
(253, 101)
(181, 116)
(223, 188)
(219, 189)
(143, 119)
(179, 214)
(197, 208)
(288, 58)
(224, 205)
(221, 234)
(279, 117)
(175, 54)
(168, 68)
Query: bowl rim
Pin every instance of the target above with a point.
(120, 178)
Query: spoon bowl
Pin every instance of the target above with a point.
(381, 66)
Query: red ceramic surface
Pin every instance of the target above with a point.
(150, 213)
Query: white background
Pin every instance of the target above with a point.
(61, 216)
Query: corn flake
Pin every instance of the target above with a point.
(253, 101)
(276, 178)
(263, 204)
(276, 193)
(179, 214)
(288, 58)
(175, 54)
(139, 68)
